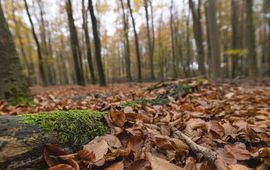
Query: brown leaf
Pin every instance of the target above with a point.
(238, 150)
(112, 140)
(116, 166)
(62, 167)
(54, 150)
(238, 167)
(140, 164)
(215, 127)
(118, 117)
(98, 148)
(159, 163)
(89, 156)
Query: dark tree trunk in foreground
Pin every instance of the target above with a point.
(250, 37)
(127, 48)
(136, 42)
(214, 40)
(150, 48)
(13, 85)
(76, 52)
(102, 79)
(198, 33)
(23, 138)
(88, 43)
(40, 57)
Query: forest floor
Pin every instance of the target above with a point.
(154, 126)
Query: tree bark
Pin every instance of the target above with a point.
(149, 40)
(214, 40)
(126, 43)
(76, 52)
(102, 79)
(235, 45)
(13, 85)
(136, 42)
(88, 43)
(40, 57)
(198, 33)
(250, 37)
(172, 41)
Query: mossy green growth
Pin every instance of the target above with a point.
(74, 127)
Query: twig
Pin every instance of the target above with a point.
(207, 153)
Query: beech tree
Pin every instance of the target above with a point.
(102, 79)
(13, 85)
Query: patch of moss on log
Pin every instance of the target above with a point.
(75, 127)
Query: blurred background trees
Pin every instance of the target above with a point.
(88, 41)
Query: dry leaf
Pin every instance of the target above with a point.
(159, 163)
(237, 167)
(98, 148)
(62, 167)
(118, 117)
(116, 166)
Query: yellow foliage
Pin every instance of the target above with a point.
(236, 52)
(103, 7)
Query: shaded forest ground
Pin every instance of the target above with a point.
(232, 119)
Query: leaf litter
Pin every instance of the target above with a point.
(177, 125)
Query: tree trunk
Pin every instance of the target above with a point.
(149, 40)
(136, 43)
(234, 22)
(22, 138)
(102, 79)
(172, 41)
(250, 37)
(126, 43)
(13, 85)
(214, 40)
(153, 35)
(76, 52)
(40, 57)
(22, 50)
(88, 43)
(198, 33)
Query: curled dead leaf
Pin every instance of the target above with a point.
(118, 117)
(159, 163)
(62, 167)
(116, 166)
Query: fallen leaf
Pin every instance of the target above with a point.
(159, 163)
(140, 164)
(118, 117)
(116, 166)
(62, 167)
(238, 167)
(98, 148)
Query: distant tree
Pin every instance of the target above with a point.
(136, 42)
(76, 52)
(127, 47)
(13, 85)
(88, 43)
(149, 40)
(39, 50)
(198, 33)
(102, 79)
(173, 51)
(250, 37)
(214, 40)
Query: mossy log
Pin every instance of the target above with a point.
(22, 138)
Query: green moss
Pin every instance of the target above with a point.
(75, 127)
(16, 96)
(133, 103)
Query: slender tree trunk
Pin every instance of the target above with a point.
(214, 40)
(40, 57)
(250, 37)
(22, 50)
(172, 41)
(13, 85)
(267, 6)
(88, 43)
(198, 33)
(102, 79)
(235, 45)
(150, 52)
(76, 53)
(160, 54)
(188, 72)
(209, 49)
(136, 43)
(153, 35)
(126, 43)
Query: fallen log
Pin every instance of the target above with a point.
(22, 138)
